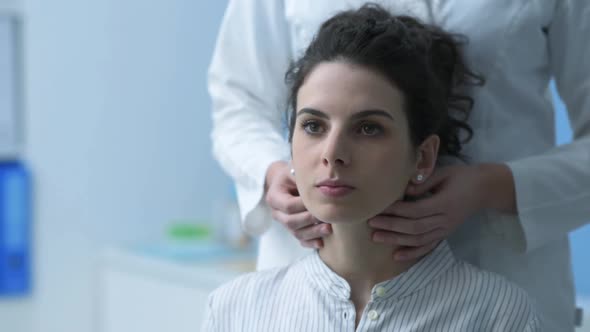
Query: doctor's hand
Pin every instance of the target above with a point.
(282, 197)
(456, 193)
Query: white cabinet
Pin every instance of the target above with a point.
(150, 294)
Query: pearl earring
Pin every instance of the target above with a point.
(420, 177)
(292, 171)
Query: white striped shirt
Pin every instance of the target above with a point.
(439, 293)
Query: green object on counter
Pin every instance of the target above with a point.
(188, 231)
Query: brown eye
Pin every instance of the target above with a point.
(312, 127)
(370, 129)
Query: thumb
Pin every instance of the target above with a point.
(431, 182)
(289, 186)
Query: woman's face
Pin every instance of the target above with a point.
(351, 146)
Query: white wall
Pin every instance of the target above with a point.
(117, 136)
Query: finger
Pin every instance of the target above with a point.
(313, 232)
(410, 253)
(285, 202)
(422, 208)
(405, 208)
(430, 183)
(398, 239)
(407, 226)
(289, 186)
(389, 210)
(294, 222)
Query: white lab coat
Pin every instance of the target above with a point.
(517, 45)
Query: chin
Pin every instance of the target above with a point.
(337, 214)
(350, 209)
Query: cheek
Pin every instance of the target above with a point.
(301, 162)
(299, 153)
(387, 178)
(389, 171)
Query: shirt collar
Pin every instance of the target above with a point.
(416, 277)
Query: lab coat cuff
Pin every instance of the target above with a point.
(254, 212)
(531, 235)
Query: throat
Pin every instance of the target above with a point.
(351, 254)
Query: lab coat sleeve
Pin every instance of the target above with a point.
(249, 98)
(553, 189)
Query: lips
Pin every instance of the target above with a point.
(334, 188)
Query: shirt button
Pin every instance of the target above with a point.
(373, 315)
(380, 291)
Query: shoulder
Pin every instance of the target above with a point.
(253, 290)
(250, 282)
(500, 300)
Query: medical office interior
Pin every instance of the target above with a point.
(114, 215)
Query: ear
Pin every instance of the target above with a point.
(426, 160)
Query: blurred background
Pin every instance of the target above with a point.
(104, 129)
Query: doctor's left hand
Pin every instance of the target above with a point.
(417, 227)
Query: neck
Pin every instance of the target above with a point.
(350, 253)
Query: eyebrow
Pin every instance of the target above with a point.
(358, 115)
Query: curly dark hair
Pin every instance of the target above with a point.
(423, 61)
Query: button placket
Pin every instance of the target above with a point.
(373, 315)
(347, 315)
(380, 291)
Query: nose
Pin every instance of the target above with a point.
(336, 151)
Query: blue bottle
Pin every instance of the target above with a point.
(15, 213)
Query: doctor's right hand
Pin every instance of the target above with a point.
(282, 197)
